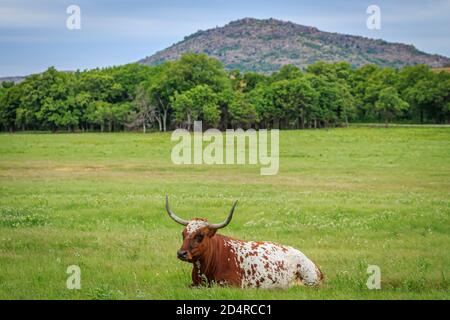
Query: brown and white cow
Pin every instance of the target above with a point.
(247, 264)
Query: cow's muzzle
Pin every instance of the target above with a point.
(182, 255)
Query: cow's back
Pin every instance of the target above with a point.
(270, 265)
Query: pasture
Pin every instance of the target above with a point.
(347, 198)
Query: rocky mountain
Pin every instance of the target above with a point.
(266, 45)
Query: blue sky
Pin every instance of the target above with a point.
(33, 34)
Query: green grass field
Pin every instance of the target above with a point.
(347, 198)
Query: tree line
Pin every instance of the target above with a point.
(197, 87)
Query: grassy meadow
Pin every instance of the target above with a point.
(347, 198)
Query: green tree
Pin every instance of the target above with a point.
(198, 103)
(252, 79)
(58, 114)
(287, 72)
(360, 80)
(365, 85)
(48, 101)
(161, 89)
(10, 101)
(129, 77)
(199, 69)
(197, 87)
(81, 103)
(443, 81)
(190, 71)
(146, 113)
(427, 97)
(51, 95)
(242, 112)
(295, 98)
(101, 86)
(100, 113)
(331, 71)
(389, 104)
(263, 99)
(121, 114)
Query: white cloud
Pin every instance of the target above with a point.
(24, 17)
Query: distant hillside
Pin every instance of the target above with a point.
(266, 45)
(17, 79)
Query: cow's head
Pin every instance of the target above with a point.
(197, 234)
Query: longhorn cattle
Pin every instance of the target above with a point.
(247, 264)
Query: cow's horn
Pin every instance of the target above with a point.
(173, 215)
(227, 220)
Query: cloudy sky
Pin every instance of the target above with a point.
(34, 36)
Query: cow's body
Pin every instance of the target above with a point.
(249, 264)
(221, 260)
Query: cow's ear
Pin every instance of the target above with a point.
(211, 232)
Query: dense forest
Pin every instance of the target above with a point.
(196, 87)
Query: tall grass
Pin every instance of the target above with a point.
(347, 198)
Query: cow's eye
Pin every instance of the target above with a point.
(199, 238)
